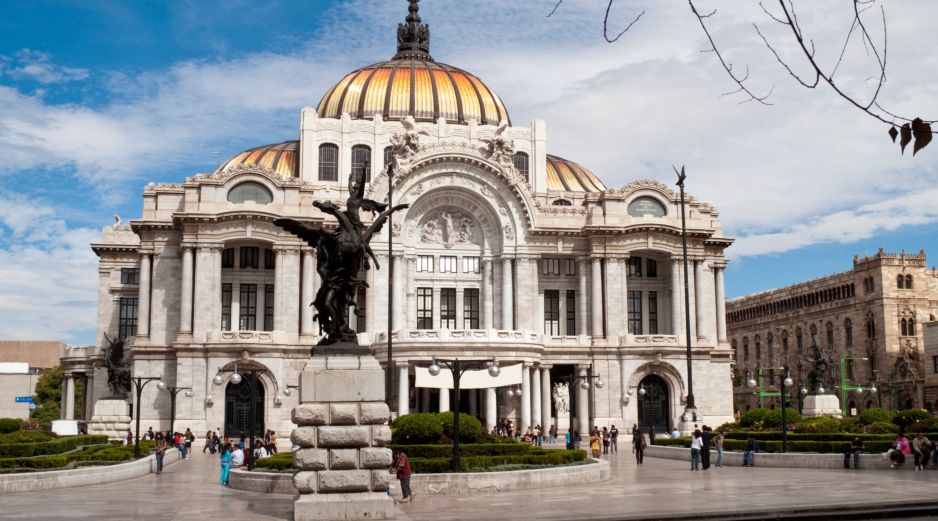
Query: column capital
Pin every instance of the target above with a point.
(187, 246)
(286, 248)
(210, 246)
(582, 367)
(402, 364)
(545, 366)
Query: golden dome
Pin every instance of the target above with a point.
(282, 158)
(567, 176)
(413, 84)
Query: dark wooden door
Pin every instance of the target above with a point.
(238, 407)
(654, 406)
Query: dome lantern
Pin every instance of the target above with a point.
(413, 38)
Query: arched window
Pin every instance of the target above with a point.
(361, 160)
(785, 345)
(758, 341)
(250, 191)
(907, 327)
(328, 162)
(799, 339)
(735, 347)
(870, 327)
(830, 334)
(561, 202)
(521, 162)
(848, 332)
(908, 282)
(388, 156)
(769, 340)
(900, 281)
(746, 348)
(815, 341)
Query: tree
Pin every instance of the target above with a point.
(906, 127)
(48, 396)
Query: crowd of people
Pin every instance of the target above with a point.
(231, 450)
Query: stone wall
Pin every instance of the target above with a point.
(36, 481)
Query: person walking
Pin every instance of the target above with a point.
(208, 442)
(225, 460)
(634, 433)
(651, 435)
(696, 442)
(189, 438)
(159, 450)
(403, 471)
(638, 445)
(706, 439)
(576, 439)
(854, 449)
(596, 443)
(921, 446)
(718, 443)
(552, 434)
(752, 447)
(614, 439)
(605, 436)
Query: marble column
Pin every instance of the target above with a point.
(306, 292)
(677, 296)
(597, 307)
(721, 304)
(488, 296)
(525, 397)
(89, 396)
(437, 323)
(582, 298)
(545, 397)
(400, 303)
(69, 396)
(460, 318)
(582, 405)
(410, 269)
(536, 397)
(444, 400)
(491, 409)
(403, 388)
(143, 299)
(315, 281)
(507, 296)
(185, 303)
(278, 288)
(371, 317)
(699, 299)
(474, 402)
(616, 300)
(624, 382)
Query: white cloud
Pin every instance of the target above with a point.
(37, 66)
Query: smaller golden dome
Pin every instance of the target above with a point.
(282, 158)
(567, 176)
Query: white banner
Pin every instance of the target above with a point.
(477, 379)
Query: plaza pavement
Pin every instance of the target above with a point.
(659, 489)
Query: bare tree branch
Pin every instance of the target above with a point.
(554, 10)
(606, 23)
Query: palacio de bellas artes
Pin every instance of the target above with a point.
(292, 264)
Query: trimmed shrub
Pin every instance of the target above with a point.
(850, 425)
(876, 414)
(881, 428)
(754, 418)
(476, 463)
(820, 424)
(728, 427)
(907, 417)
(279, 461)
(470, 428)
(55, 446)
(475, 449)
(26, 437)
(773, 417)
(416, 428)
(8, 425)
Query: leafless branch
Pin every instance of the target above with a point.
(554, 10)
(606, 23)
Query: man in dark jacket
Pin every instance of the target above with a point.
(706, 440)
(752, 447)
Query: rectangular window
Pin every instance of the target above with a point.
(652, 268)
(361, 161)
(269, 259)
(425, 308)
(571, 312)
(328, 162)
(470, 265)
(800, 341)
(934, 361)
(550, 266)
(552, 312)
(249, 256)
(470, 308)
(652, 310)
(362, 302)
(425, 263)
(227, 258)
(635, 266)
(447, 264)
(247, 319)
(570, 266)
(127, 324)
(268, 307)
(130, 275)
(635, 312)
(226, 307)
(448, 307)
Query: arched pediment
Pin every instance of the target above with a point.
(660, 368)
(454, 217)
(241, 173)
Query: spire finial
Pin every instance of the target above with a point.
(413, 38)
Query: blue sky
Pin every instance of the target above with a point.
(98, 98)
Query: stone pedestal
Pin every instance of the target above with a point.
(111, 417)
(342, 433)
(690, 422)
(821, 405)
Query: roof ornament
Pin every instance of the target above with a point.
(413, 38)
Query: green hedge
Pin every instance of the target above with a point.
(794, 445)
(279, 461)
(26, 437)
(55, 446)
(8, 425)
(875, 414)
(431, 427)
(475, 463)
(473, 449)
(98, 454)
(801, 436)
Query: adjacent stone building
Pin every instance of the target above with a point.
(872, 314)
(21, 363)
(505, 251)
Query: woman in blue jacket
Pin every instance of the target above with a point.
(225, 463)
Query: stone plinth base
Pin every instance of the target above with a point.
(111, 417)
(689, 422)
(65, 427)
(335, 507)
(342, 433)
(821, 405)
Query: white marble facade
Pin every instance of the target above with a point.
(520, 246)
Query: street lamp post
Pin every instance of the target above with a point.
(786, 381)
(139, 383)
(584, 382)
(844, 385)
(173, 392)
(388, 372)
(458, 368)
(690, 410)
(236, 378)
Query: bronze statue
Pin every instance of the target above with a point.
(341, 256)
(821, 368)
(118, 369)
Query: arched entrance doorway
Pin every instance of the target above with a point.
(238, 407)
(654, 408)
